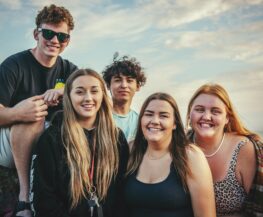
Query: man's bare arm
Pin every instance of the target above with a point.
(29, 110)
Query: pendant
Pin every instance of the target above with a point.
(93, 202)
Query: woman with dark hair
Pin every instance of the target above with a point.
(80, 159)
(231, 151)
(167, 176)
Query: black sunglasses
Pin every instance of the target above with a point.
(49, 34)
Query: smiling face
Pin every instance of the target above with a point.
(51, 48)
(158, 122)
(86, 96)
(123, 88)
(208, 116)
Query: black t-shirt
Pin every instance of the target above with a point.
(22, 76)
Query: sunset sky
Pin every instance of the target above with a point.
(181, 44)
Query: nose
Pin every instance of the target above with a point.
(207, 115)
(123, 83)
(154, 119)
(88, 97)
(54, 39)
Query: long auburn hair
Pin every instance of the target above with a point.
(234, 124)
(77, 147)
(177, 147)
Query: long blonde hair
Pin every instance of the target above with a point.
(77, 147)
(234, 124)
(177, 147)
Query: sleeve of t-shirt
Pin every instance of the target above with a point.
(44, 178)
(8, 80)
(69, 67)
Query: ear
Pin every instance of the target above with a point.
(174, 126)
(35, 33)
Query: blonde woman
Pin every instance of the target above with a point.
(167, 176)
(79, 160)
(234, 153)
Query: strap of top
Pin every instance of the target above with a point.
(233, 162)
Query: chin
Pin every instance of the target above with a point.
(153, 139)
(207, 134)
(85, 115)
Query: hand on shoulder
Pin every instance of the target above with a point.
(52, 96)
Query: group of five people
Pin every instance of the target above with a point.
(97, 157)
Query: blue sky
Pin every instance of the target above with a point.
(181, 44)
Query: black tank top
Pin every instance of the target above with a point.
(162, 199)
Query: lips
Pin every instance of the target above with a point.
(87, 106)
(206, 125)
(53, 46)
(154, 129)
(123, 92)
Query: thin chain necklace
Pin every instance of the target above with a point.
(219, 147)
(150, 157)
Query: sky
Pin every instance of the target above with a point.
(181, 44)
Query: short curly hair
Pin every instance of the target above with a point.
(125, 66)
(54, 14)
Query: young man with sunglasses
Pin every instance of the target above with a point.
(31, 86)
(124, 77)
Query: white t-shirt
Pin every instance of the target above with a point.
(127, 123)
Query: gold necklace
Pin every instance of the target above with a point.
(219, 147)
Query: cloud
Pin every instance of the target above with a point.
(244, 88)
(170, 13)
(242, 43)
(117, 22)
(13, 5)
(113, 23)
(238, 43)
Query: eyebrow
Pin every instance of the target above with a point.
(213, 107)
(81, 87)
(150, 111)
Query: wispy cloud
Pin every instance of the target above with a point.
(238, 43)
(169, 13)
(13, 5)
(244, 88)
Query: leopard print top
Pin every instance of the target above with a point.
(229, 194)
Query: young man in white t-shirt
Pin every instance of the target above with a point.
(124, 77)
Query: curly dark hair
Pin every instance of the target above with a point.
(54, 14)
(125, 66)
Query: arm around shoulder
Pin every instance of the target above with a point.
(200, 184)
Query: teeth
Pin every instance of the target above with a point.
(205, 125)
(87, 106)
(53, 46)
(154, 129)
